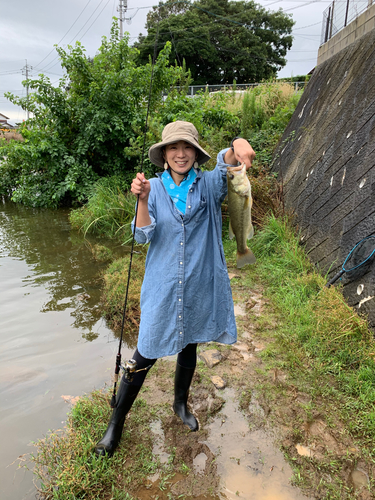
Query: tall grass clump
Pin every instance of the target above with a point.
(114, 291)
(109, 210)
(318, 329)
(253, 114)
(68, 469)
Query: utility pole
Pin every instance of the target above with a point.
(122, 8)
(25, 71)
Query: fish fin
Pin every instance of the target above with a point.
(231, 233)
(245, 258)
(251, 233)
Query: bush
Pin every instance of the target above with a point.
(81, 129)
(109, 210)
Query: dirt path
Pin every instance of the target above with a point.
(251, 418)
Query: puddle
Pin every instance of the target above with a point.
(359, 479)
(239, 310)
(158, 448)
(258, 346)
(248, 463)
(199, 462)
(304, 451)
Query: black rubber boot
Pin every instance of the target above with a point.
(126, 396)
(182, 381)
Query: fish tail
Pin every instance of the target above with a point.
(244, 258)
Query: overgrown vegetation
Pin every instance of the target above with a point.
(114, 291)
(218, 117)
(80, 130)
(65, 463)
(318, 330)
(91, 127)
(108, 212)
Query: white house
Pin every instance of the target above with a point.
(3, 121)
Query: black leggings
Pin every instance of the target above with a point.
(186, 358)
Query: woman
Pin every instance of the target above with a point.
(186, 296)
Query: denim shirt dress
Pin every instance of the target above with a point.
(186, 295)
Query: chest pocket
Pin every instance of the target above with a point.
(202, 212)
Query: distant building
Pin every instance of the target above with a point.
(4, 121)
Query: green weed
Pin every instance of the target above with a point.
(317, 331)
(109, 210)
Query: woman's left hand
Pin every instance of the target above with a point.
(243, 153)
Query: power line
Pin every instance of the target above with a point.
(72, 40)
(303, 5)
(84, 8)
(75, 37)
(95, 19)
(232, 20)
(212, 23)
(11, 72)
(308, 26)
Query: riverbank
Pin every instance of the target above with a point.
(297, 407)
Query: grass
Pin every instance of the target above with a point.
(67, 468)
(108, 212)
(316, 328)
(114, 291)
(311, 334)
(327, 351)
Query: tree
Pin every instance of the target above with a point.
(82, 129)
(220, 40)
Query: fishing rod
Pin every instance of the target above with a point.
(130, 367)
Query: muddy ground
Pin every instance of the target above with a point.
(258, 439)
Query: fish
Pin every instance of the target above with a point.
(239, 206)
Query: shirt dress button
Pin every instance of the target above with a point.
(189, 206)
(180, 333)
(181, 243)
(179, 300)
(180, 282)
(181, 263)
(180, 317)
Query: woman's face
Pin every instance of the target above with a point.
(180, 157)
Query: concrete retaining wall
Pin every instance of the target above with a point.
(326, 160)
(354, 31)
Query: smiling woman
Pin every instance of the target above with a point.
(186, 296)
(179, 158)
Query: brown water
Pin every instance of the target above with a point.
(249, 463)
(53, 341)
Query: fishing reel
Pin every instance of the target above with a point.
(130, 369)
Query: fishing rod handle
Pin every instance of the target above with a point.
(335, 278)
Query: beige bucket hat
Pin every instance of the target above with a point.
(174, 132)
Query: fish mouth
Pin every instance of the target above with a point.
(235, 169)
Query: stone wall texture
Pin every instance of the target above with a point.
(326, 161)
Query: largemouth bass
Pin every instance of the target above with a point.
(239, 206)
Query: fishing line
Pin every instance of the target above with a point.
(130, 368)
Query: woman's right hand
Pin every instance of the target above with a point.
(141, 186)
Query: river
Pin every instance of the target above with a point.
(53, 341)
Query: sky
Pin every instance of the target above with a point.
(31, 29)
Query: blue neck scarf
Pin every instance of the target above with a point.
(178, 193)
